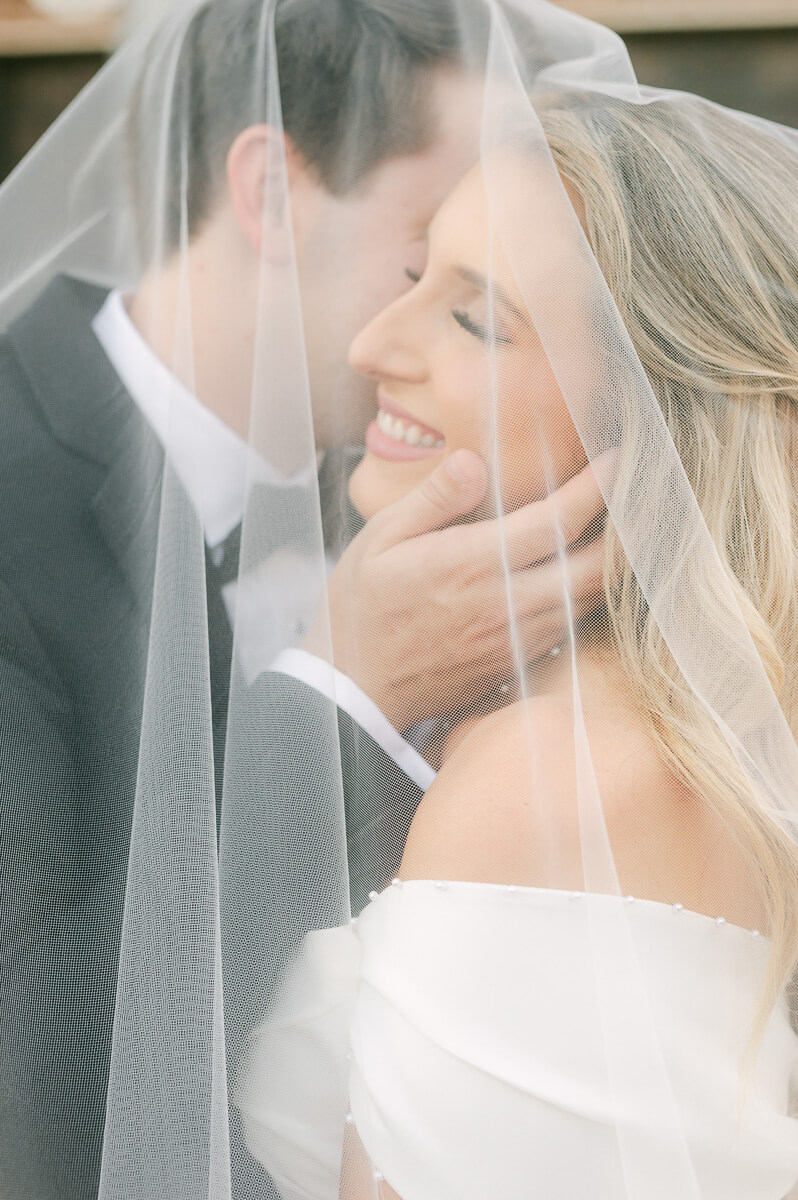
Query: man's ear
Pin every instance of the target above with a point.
(272, 190)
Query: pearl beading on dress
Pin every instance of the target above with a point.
(512, 889)
(677, 908)
(449, 888)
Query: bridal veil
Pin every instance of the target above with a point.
(651, 239)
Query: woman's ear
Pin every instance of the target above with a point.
(268, 180)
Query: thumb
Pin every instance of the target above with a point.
(453, 489)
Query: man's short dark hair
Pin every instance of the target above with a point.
(354, 89)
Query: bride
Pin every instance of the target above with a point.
(579, 983)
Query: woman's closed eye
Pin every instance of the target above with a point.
(479, 331)
(466, 322)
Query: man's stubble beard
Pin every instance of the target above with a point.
(343, 405)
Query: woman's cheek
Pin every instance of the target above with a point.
(466, 408)
(539, 443)
(525, 451)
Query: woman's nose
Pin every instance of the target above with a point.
(390, 345)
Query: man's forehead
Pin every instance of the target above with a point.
(413, 186)
(457, 100)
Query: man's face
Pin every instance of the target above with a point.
(355, 260)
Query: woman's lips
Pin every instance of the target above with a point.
(387, 446)
(399, 436)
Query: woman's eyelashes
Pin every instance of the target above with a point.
(478, 331)
(464, 320)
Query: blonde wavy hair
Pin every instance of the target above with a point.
(692, 214)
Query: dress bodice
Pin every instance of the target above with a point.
(518, 1041)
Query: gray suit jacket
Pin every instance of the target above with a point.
(80, 480)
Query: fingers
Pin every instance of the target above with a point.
(579, 576)
(528, 612)
(537, 531)
(545, 588)
(501, 655)
(453, 489)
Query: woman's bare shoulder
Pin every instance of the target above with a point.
(507, 807)
(482, 817)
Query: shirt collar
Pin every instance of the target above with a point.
(212, 462)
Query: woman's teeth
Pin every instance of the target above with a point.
(403, 431)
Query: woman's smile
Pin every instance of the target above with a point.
(460, 347)
(397, 435)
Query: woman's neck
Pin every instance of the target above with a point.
(588, 661)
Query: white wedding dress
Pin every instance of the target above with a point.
(460, 1023)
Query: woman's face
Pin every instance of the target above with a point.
(459, 365)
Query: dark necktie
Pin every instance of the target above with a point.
(278, 518)
(220, 650)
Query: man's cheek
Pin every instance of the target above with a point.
(381, 281)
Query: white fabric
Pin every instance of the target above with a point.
(210, 459)
(478, 1071)
(212, 463)
(143, 942)
(347, 695)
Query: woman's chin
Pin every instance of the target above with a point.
(378, 482)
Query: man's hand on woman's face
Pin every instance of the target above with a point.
(425, 613)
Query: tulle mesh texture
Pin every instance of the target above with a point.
(221, 715)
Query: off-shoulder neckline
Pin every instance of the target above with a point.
(519, 891)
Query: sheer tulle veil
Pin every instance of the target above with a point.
(651, 242)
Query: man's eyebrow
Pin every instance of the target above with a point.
(490, 285)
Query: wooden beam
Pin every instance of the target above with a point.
(24, 32)
(674, 16)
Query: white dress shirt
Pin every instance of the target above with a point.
(214, 464)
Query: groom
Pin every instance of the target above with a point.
(80, 472)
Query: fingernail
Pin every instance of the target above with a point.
(463, 467)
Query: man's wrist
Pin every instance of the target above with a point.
(319, 643)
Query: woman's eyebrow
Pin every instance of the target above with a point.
(490, 286)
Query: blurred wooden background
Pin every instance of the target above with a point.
(43, 65)
(743, 53)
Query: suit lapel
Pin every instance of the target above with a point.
(127, 506)
(88, 410)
